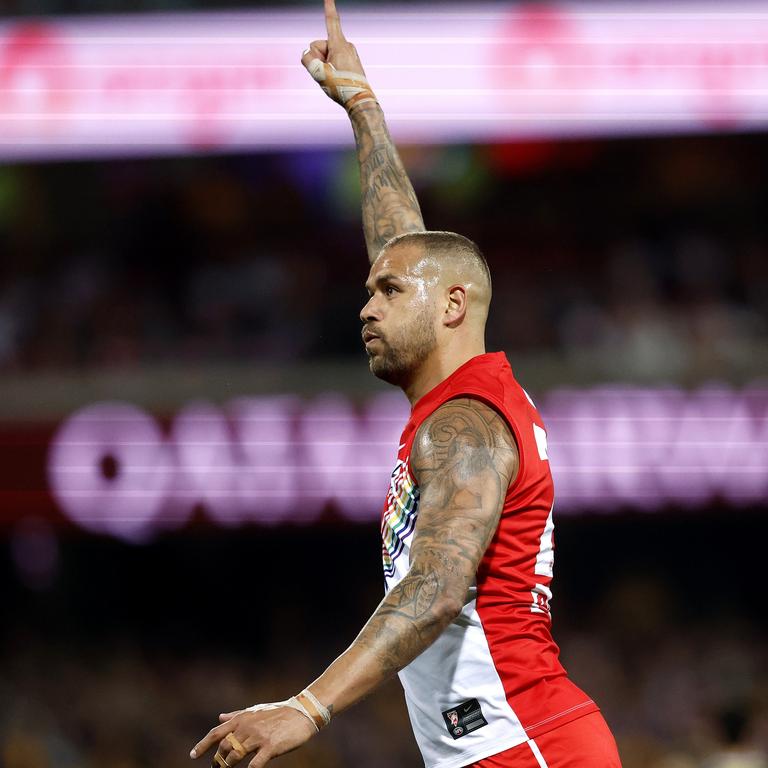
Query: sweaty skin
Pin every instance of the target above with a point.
(425, 317)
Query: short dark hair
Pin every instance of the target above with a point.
(448, 243)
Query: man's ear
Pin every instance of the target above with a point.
(456, 307)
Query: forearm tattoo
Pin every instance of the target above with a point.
(389, 203)
(464, 458)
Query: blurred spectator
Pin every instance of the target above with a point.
(738, 747)
(262, 259)
(118, 705)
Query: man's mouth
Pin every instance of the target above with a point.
(369, 336)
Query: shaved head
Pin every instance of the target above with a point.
(456, 259)
(446, 245)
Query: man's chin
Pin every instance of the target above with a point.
(376, 368)
(379, 368)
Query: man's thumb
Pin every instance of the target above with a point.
(318, 49)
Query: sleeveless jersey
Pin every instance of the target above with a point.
(492, 680)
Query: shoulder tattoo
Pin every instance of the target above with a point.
(464, 458)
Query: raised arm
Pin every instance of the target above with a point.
(463, 459)
(389, 203)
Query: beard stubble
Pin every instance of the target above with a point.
(397, 364)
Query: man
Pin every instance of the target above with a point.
(467, 526)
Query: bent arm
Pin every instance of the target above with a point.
(463, 458)
(389, 203)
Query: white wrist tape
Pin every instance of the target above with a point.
(320, 714)
(347, 88)
(305, 702)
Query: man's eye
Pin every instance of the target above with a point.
(389, 290)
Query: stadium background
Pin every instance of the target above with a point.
(627, 266)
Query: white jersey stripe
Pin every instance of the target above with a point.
(457, 667)
(537, 754)
(545, 560)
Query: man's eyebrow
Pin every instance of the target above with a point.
(387, 277)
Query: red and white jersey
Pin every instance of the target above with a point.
(492, 680)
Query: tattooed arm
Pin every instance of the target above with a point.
(389, 203)
(463, 459)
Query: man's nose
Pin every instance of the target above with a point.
(369, 311)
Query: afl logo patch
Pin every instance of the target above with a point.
(464, 718)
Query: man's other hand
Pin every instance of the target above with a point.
(263, 734)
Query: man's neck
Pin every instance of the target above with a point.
(436, 370)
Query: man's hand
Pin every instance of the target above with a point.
(265, 734)
(335, 64)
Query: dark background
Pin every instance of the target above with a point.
(633, 261)
(126, 655)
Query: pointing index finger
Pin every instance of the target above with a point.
(332, 22)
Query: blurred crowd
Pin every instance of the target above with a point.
(126, 655)
(644, 259)
(687, 698)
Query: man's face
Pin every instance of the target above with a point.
(399, 320)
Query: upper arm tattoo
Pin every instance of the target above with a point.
(464, 457)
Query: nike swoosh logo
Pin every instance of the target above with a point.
(467, 708)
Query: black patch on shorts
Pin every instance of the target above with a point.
(464, 718)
